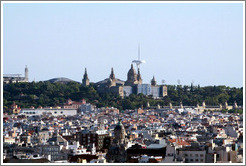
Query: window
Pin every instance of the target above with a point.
(191, 155)
(196, 155)
(201, 160)
(191, 160)
(55, 112)
(196, 160)
(186, 155)
(201, 155)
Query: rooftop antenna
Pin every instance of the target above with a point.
(138, 62)
(138, 52)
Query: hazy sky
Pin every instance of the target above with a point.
(190, 42)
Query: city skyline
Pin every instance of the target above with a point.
(200, 42)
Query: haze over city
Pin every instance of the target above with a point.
(179, 41)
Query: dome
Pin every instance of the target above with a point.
(119, 126)
(119, 132)
(131, 72)
(131, 77)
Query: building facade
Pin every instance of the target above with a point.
(117, 150)
(54, 112)
(87, 138)
(14, 78)
(133, 85)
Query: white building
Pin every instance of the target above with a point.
(54, 112)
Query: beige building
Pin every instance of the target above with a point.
(14, 78)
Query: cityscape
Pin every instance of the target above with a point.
(82, 132)
(137, 83)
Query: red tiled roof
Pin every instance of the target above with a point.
(179, 142)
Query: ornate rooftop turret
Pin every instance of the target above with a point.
(85, 80)
(26, 74)
(153, 81)
(112, 80)
(112, 76)
(139, 78)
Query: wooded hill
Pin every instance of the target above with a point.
(54, 94)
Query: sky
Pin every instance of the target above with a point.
(191, 42)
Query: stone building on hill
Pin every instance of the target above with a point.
(133, 85)
(14, 78)
(111, 85)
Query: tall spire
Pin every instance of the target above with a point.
(112, 76)
(86, 75)
(26, 73)
(85, 80)
(112, 80)
(153, 81)
(139, 78)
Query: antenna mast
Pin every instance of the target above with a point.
(138, 62)
(138, 51)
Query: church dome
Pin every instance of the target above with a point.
(119, 126)
(131, 72)
(119, 132)
(131, 77)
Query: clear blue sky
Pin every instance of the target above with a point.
(190, 42)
